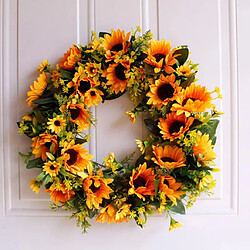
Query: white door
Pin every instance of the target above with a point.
(217, 34)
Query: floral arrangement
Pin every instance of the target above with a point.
(177, 158)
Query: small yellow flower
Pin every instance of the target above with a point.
(51, 168)
(183, 70)
(109, 160)
(33, 186)
(140, 146)
(174, 224)
(205, 181)
(27, 118)
(131, 115)
(56, 124)
(42, 66)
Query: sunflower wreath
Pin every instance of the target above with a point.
(176, 159)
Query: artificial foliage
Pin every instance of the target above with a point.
(176, 159)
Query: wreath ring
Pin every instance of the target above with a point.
(177, 158)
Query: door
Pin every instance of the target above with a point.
(216, 33)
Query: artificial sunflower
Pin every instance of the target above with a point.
(142, 182)
(115, 43)
(131, 115)
(183, 70)
(55, 75)
(76, 158)
(34, 186)
(72, 56)
(43, 65)
(93, 97)
(122, 213)
(96, 189)
(59, 192)
(170, 188)
(116, 76)
(37, 88)
(79, 115)
(56, 124)
(52, 168)
(193, 99)
(84, 84)
(106, 213)
(174, 125)
(92, 69)
(204, 149)
(42, 144)
(169, 157)
(78, 74)
(163, 90)
(160, 56)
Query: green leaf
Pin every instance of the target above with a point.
(101, 34)
(210, 129)
(66, 74)
(140, 160)
(47, 179)
(152, 126)
(36, 163)
(179, 208)
(182, 54)
(156, 184)
(189, 80)
(50, 156)
(63, 172)
(40, 177)
(92, 213)
(45, 101)
(80, 141)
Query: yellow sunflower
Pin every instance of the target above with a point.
(106, 213)
(92, 69)
(52, 168)
(78, 74)
(169, 157)
(164, 90)
(131, 115)
(96, 190)
(72, 56)
(76, 158)
(122, 213)
(204, 148)
(169, 187)
(142, 182)
(84, 84)
(93, 97)
(115, 43)
(42, 65)
(79, 115)
(34, 186)
(37, 88)
(55, 75)
(59, 192)
(193, 99)
(56, 124)
(116, 76)
(42, 143)
(160, 56)
(183, 70)
(174, 125)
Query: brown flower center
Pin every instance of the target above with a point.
(75, 113)
(73, 156)
(84, 86)
(52, 167)
(185, 100)
(165, 91)
(57, 123)
(165, 182)
(92, 69)
(159, 56)
(176, 126)
(139, 182)
(47, 144)
(167, 159)
(93, 188)
(92, 93)
(117, 47)
(119, 72)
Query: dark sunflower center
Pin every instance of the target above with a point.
(165, 91)
(119, 72)
(73, 156)
(93, 188)
(92, 69)
(159, 56)
(167, 159)
(75, 113)
(84, 86)
(176, 126)
(92, 93)
(139, 182)
(57, 123)
(117, 47)
(185, 100)
(47, 144)
(52, 167)
(165, 182)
